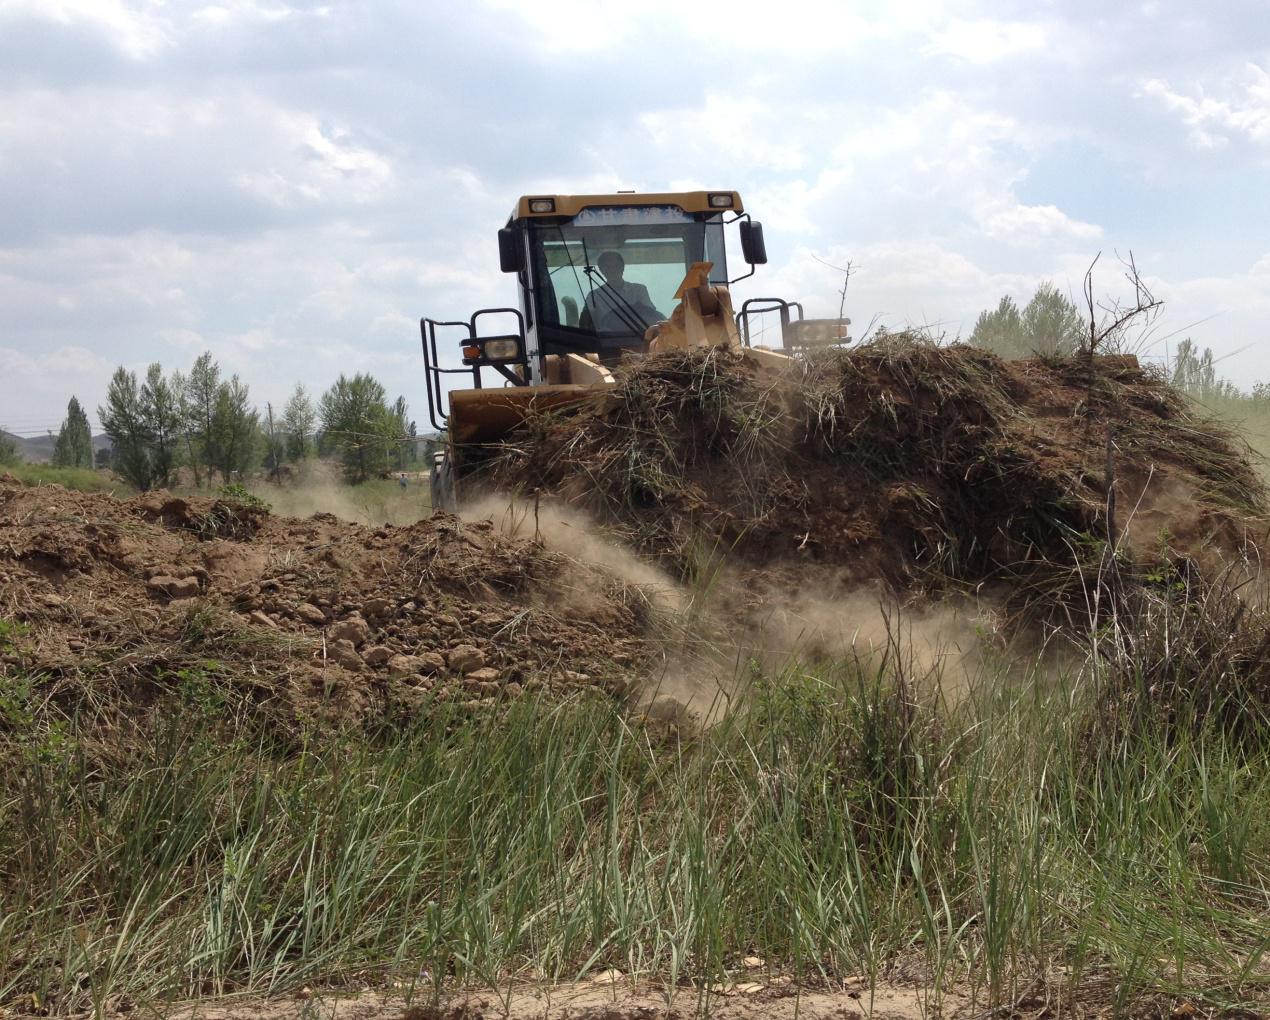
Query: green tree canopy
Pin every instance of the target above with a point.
(1195, 374)
(359, 424)
(9, 451)
(299, 421)
(1050, 325)
(74, 446)
(198, 408)
(235, 430)
(144, 423)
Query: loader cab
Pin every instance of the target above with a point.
(573, 247)
(563, 250)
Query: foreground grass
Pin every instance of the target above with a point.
(832, 826)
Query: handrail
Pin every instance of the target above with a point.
(432, 359)
(773, 304)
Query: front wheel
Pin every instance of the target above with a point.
(442, 483)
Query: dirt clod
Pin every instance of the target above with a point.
(466, 659)
(308, 612)
(355, 630)
(376, 655)
(174, 587)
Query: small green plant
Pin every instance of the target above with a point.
(10, 631)
(237, 493)
(15, 702)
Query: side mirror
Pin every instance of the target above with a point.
(511, 252)
(753, 250)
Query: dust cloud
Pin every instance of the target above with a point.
(571, 533)
(710, 648)
(320, 489)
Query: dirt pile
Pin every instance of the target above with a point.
(106, 601)
(903, 464)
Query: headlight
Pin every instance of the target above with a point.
(721, 201)
(502, 350)
(541, 205)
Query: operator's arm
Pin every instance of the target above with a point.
(644, 305)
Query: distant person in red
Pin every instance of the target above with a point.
(618, 305)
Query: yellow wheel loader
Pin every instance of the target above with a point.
(600, 278)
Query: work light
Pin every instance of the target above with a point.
(501, 350)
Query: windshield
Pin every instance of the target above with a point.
(610, 273)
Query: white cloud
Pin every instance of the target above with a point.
(987, 40)
(138, 33)
(799, 27)
(1242, 107)
(1031, 224)
(317, 165)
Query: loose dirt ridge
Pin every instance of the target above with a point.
(311, 620)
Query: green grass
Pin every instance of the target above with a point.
(80, 479)
(832, 826)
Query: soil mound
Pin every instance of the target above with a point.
(919, 466)
(110, 603)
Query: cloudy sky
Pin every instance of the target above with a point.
(291, 185)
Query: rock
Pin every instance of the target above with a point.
(466, 658)
(377, 608)
(174, 587)
(377, 655)
(257, 616)
(431, 662)
(342, 651)
(482, 676)
(354, 629)
(513, 689)
(51, 600)
(668, 710)
(576, 678)
(310, 613)
(403, 665)
(754, 962)
(446, 620)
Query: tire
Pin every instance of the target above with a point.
(441, 484)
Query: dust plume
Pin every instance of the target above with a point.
(570, 533)
(319, 488)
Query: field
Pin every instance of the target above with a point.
(975, 722)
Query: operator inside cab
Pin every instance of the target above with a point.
(618, 305)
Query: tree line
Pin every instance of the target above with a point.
(207, 423)
(1050, 325)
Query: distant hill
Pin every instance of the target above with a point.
(39, 449)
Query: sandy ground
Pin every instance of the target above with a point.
(601, 998)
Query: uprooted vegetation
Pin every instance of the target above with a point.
(926, 467)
